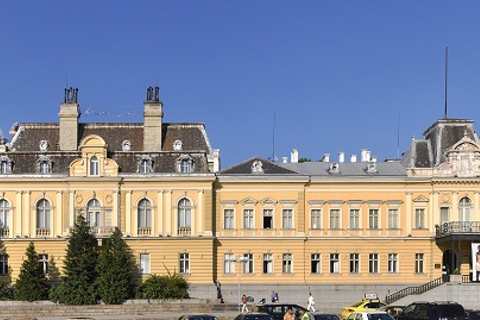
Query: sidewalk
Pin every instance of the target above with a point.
(224, 315)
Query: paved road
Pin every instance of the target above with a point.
(170, 316)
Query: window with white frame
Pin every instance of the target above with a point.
(444, 214)
(228, 219)
(247, 218)
(145, 164)
(315, 263)
(393, 262)
(393, 218)
(43, 262)
(94, 166)
(185, 164)
(334, 218)
(144, 263)
(354, 262)
(4, 214)
(94, 213)
(267, 219)
(373, 217)
(464, 209)
(287, 218)
(419, 263)
(354, 218)
(44, 165)
(184, 263)
(3, 264)
(5, 165)
(316, 218)
(229, 260)
(287, 261)
(43, 214)
(248, 263)
(267, 263)
(184, 213)
(334, 263)
(144, 214)
(373, 263)
(419, 218)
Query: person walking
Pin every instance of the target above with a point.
(244, 304)
(311, 303)
(304, 315)
(290, 315)
(274, 296)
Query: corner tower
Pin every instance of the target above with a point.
(69, 115)
(153, 116)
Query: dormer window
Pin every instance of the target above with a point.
(5, 165)
(178, 145)
(257, 166)
(334, 168)
(44, 165)
(145, 165)
(185, 164)
(94, 166)
(371, 167)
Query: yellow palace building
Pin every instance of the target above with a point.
(332, 226)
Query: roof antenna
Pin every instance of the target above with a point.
(273, 139)
(398, 137)
(446, 82)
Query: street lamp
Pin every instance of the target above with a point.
(241, 261)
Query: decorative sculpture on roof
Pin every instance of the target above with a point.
(71, 95)
(153, 94)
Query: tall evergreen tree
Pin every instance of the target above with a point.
(116, 270)
(77, 286)
(32, 283)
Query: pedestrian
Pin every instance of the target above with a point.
(311, 303)
(289, 315)
(304, 315)
(244, 304)
(274, 296)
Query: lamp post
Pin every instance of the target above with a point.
(241, 261)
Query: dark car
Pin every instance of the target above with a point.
(433, 311)
(278, 310)
(473, 314)
(254, 316)
(197, 317)
(323, 316)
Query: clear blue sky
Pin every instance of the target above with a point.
(338, 75)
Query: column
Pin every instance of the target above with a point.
(26, 215)
(57, 221)
(71, 210)
(115, 209)
(128, 213)
(476, 215)
(199, 212)
(158, 216)
(454, 216)
(17, 223)
(168, 212)
(434, 211)
(408, 214)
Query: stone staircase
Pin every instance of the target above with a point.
(34, 310)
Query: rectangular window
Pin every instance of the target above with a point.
(267, 263)
(373, 218)
(248, 219)
(184, 263)
(393, 218)
(335, 219)
(287, 263)
(3, 264)
(144, 263)
(444, 214)
(420, 218)
(248, 263)
(393, 263)
(354, 263)
(315, 263)
(334, 263)
(419, 263)
(373, 263)
(354, 218)
(229, 263)
(316, 216)
(228, 219)
(43, 261)
(267, 218)
(287, 217)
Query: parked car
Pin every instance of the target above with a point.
(421, 310)
(393, 310)
(366, 305)
(254, 316)
(374, 315)
(323, 316)
(473, 314)
(278, 310)
(197, 317)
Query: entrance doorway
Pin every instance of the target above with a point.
(449, 261)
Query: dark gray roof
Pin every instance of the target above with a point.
(268, 168)
(346, 169)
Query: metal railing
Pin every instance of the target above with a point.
(457, 227)
(414, 290)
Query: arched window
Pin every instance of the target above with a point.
(44, 165)
(145, 166)
(144, 215)
(185, 164)
(94, 166)
(464, 209)
(184, 215)
(94, 213)
(4, 214)
(43, 216)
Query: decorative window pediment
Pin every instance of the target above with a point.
(268, 201)
(248, 201)
(420, 199)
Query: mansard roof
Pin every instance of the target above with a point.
(257, 165)
(347, 169)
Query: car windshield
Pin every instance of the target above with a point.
(357, 304)
(379, 316)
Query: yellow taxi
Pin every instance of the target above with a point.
(370, 302)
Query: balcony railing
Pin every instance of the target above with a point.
(185, 231)
(4, 232)
(42, 232)
(144, 231)
(102, 231)
(448, 228)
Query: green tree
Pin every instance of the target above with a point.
(77, 286)
(32, 283)
(116, 270)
